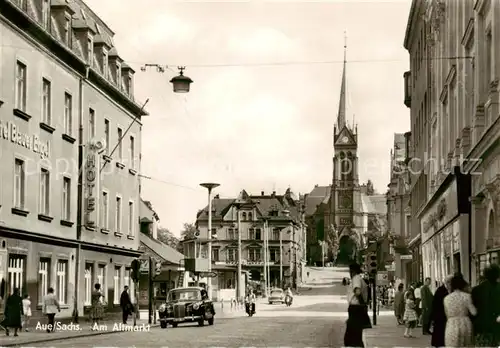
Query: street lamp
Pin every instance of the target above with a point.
(209, 187)
(180, 83)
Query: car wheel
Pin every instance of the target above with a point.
(175, 324)
(201, 322)
(163, 324)
(211, 321)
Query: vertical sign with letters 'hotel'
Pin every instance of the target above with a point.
(91, 175)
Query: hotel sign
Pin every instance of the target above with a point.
(10, 132)
(90, 175)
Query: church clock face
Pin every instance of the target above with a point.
(345, 140)
(346, 202)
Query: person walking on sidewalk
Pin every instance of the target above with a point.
(399, 304)
(458, 308)
(358, 318)
(426, 305)
(437, 315)
(96, 309)
(486, 299)
(50, 308)
(410, 317)
(26, 311)
(13, 313)
(125, 304)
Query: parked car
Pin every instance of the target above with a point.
(186, 305)
(276, 296)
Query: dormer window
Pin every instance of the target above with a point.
(105, 63)
(67, 31)
(46, 14)
(119, 75)
(90, 51)
(128, 85)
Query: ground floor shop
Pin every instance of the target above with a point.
(445, 230)
(413, 268)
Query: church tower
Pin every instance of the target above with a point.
(345, 198)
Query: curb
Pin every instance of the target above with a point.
(52, 339)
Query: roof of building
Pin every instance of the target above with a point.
(146, 212)
(164, 251)
(319, 194)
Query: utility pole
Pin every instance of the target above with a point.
(266, 251)
(238, 289)
(209, 187)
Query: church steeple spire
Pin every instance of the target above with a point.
(341, 117)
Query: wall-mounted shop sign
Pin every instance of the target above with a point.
(91, 173)
(441, 212)
(10, 132)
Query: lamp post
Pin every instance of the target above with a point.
(209, 187)
(181, 83)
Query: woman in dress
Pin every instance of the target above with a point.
(458, 307)
(358, 318)
(13, 313)
(410, 317)
(96, 310)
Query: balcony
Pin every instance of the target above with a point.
(493, 242)
(408, 88)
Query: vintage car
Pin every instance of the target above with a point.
(186, 305)
(276, 296)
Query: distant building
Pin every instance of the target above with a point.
(285, 233)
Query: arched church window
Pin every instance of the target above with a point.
(342, 155)
(349, 154)
(244, 216)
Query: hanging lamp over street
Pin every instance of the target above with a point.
(181, 83)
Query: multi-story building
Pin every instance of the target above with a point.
(279, 217)
(439, 90)
(66, 99)
(398, 209)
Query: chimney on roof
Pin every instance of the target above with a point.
(274, 194)
(262, 193)
(216, 196)
(316, 185)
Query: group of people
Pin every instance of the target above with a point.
(455, 315)
(17, 311)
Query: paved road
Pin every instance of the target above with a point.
(316, 319)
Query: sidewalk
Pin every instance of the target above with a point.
(387, 334)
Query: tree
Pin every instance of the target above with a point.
(168, 238)
(188, 231)
(332, 241)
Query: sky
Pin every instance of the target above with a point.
(261, 110)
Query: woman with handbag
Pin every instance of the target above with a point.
(358, 318)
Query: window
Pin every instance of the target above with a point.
(215, 255)
(489, 59)
(276, 234)
(254, 254)
(44, 192)
(257, 234)
(274, 255)
(254, 233)
(105, 211)
(66, 197)
(101, 279)
(230, 233)
(68, 113)
(46, 14)
(131, 219)
(116, 286)
(46, 101)
(244, 216)
(90, 51)
(118, 218)
(21, 86)
(119, 75)
(43, 278)
(106, 133)
(19, 184)
(91, 123)
(62, 281)
(128, 85)
(67, 31)
(120, 147)
(89, 271)
(127, 277)
(105, 63)
(231, 255)
(132, 152)
(250, 216)
(16, 274)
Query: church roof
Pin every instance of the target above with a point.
(319, 194)
(375, 204)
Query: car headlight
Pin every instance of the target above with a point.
(162, 308)
(196, 306)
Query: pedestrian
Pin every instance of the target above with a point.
(96, 309)
(358, 319)
(399, 304)
(418, 302)
(486, 299)
(426, 305)
(26, 311)
(125, 304)
(410, 317)
(391, 292)
(438, 315)
(13, 313)
(50, 308)
(458, 308)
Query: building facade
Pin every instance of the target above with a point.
(72, 100)
(276, 218)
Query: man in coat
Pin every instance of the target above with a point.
(125, 304)
(438, 315)
(426, 296)
(13, 313)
